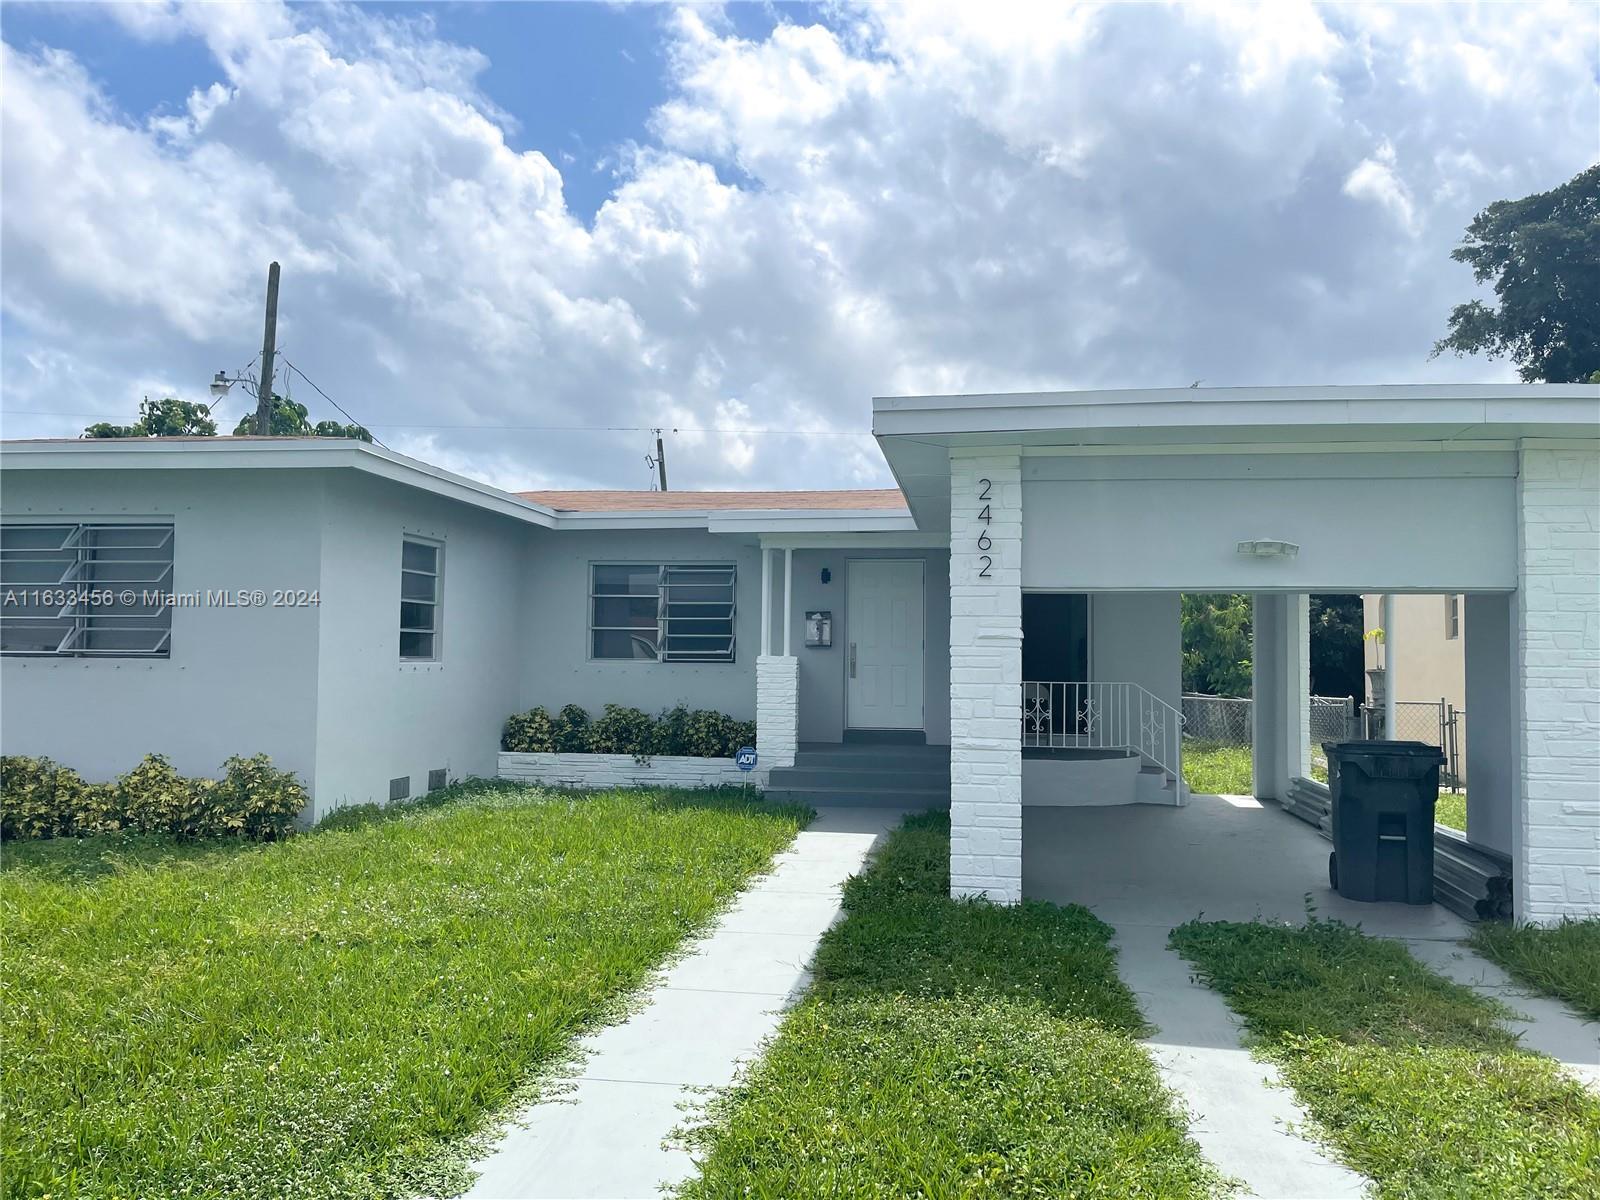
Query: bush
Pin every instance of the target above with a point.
(154, 798)
(572, 730)
(38, 798)
(532, 732)
(255, 800)
(41, 799)
(671, 731)
(740, 734)
(622, 730)
(691, 733)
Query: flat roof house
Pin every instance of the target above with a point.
(1000, 633)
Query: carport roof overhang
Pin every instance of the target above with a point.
(918, 433)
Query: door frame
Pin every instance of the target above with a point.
(844, 662)
(1089, 606)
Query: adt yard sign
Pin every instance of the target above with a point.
(745, 758)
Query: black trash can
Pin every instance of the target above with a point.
(1383, 798)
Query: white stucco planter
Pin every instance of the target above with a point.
(623, 770)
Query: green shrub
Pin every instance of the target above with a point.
(572, 730)
(671, 734)
(706, 734)
(691, 733)
(740, 733)
(41, 799)
(154, 798)
(623, 730)
(255, 800)
(532, 732)
(38, 798)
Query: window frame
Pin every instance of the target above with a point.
(664, 571)
(79, 573)
(437, 603)
(1452, 616)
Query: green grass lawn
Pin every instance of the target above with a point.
(330, 1015)
(1214, 769)
(952, 1049)
(1411, 1079)
(1559, 960)
(1451, 809)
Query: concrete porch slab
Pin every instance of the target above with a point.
(1227, 858)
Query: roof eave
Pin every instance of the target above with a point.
(151, 454)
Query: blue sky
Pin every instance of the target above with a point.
(516, 237)
(577, 79)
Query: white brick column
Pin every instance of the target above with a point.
(986, 675)
(1556, 831)
(777, 710)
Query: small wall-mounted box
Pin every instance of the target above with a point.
(819, 628)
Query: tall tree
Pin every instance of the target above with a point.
(1216, 644)
(289, 419)
(1336, 662)
(1543, 253)
(161, 418)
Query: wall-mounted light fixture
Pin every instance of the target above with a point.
(1268, 548)
(827, 575)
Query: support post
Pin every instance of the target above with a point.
(1391, 727)
(986, 674)
(1556, 622)
(1491, 752)
(788, 596)
(766, 602)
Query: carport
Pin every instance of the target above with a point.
(1488, 490)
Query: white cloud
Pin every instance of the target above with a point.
(923, 197)
(1376, 179)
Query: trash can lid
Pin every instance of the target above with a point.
(1378, 747)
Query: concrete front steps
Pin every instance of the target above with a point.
(877, 775)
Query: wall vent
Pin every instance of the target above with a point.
(436, 779)
(400, 787)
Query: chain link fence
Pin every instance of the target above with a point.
(1226, 722)
(1436, 722)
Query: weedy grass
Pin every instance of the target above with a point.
(1559, 960)
(1412, 1079)
(951, 1048)
(1451, 809)
(331, 1015)
(1213, 769)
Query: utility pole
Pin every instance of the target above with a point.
(269, 347)
(661, 461)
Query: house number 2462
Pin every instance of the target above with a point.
(985, 542)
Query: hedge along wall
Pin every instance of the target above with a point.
(625, 770)
(626, 747)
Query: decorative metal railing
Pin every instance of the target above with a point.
(1103, 716)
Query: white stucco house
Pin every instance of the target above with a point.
(1002, 630)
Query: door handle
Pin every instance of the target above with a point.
(852, 660)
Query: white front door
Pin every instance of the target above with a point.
(883, 660)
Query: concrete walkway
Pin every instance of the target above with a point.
(1545, 1025)
(1146, 870)
(1241, 1113)
(711, 1011)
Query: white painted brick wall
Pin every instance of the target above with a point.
(777, 709)
(986, 678)
(1558, 657)
(623, 770)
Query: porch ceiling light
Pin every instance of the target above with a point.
(1268, 548)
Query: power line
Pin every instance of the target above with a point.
(329, 398)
